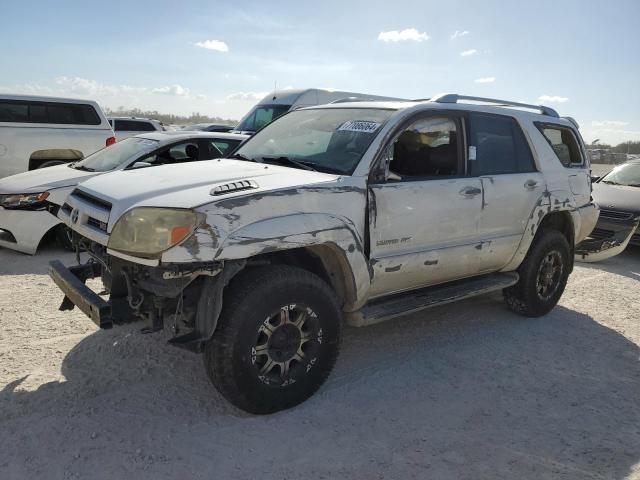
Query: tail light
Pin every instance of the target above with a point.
(111, 141)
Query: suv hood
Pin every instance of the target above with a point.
(189, 185)
(44, 179)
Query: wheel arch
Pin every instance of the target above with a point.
(40, 157)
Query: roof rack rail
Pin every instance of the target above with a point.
(454, 98)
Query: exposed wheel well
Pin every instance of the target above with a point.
(40, 157)
(561, 222)
(326, 261)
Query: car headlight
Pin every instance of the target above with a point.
(149, 231)
(23, 200)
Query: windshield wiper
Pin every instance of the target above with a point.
(290, 161)
(239, 156)
(82, 167)
(609, 182)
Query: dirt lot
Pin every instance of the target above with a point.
(467, 391)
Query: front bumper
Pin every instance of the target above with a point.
(22, 230)
(72, 283)
(609, 238)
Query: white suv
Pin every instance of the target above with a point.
(38, 132)
(126, 127)
(356, 212)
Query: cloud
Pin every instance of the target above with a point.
(459, 33)
(217, 45)
(403, 35)
(85, 87)
(468, 53)
(176, 90)
(485, 80)
(552, 99)
(609, 123)
(247, 96)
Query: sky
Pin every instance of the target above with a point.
(220, 57)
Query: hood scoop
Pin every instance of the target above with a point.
(233, 187)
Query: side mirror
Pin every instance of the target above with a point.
(141, 165)
(594, 179)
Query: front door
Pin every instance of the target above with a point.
(424, 216)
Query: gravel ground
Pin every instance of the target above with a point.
(465, 391)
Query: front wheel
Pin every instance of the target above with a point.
(543, 276)
(277, 339)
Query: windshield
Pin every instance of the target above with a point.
(626, 174)
(112, 157)
(260, 116)
(330, 140)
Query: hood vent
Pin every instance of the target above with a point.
(233, 187)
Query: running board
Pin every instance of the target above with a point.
(403, 304)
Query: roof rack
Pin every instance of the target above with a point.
(455, 98)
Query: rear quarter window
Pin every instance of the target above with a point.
(133, 126)
(563, 142)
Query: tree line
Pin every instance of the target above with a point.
(625, 147)
(167, 118)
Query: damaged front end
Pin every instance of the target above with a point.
(184, 298)
(612, 234)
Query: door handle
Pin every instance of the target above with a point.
(530, 184)
(469, 192)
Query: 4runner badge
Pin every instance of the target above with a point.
(74, 216)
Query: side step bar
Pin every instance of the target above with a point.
(405, 303)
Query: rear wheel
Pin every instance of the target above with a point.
(276, 341)
(543, 276)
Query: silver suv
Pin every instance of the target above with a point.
(351, 212)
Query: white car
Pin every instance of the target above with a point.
(38, 132)
(29, 202)
(125, 127)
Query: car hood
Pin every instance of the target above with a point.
(44, 179)
(189, 185)
(616, 197)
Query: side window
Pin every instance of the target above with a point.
(427, 148)
(564, 144)
(133, 126)
(179, 153)
(500, 146)
(220, 148)
(14, 111)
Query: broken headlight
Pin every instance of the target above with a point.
(23, 200)
(148, 231)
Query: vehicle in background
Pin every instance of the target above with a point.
(618, 196)
(210, 127)
(282, 101)
(125, 127)
(356, 212)
(37, 132)
(29, 201)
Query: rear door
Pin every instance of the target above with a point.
(503, 162)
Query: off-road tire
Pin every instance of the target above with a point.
(523, 297)
(250, 300)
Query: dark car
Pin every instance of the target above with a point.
(618, 196)
(210, 127)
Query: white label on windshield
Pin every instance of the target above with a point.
(359, 126)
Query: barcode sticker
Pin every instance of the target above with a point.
(359, 126)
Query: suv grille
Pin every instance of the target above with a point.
(95, 223)
(96, 202)
(616, 214)
(601, 233)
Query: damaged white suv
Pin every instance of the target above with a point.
(351, 212)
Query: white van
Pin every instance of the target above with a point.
(280, 102)
(38, 132)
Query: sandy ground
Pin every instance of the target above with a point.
(466, 391)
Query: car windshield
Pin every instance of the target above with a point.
(260, 116)
(110, 158)
(325, 139)
(626, 174)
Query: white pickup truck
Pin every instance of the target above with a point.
(38, 132)
(356, 212)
